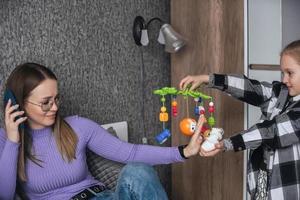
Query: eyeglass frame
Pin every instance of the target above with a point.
(56, 101)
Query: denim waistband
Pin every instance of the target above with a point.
(89, 192)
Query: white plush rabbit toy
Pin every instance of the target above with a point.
(214, 136)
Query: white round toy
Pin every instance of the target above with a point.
(214, 136)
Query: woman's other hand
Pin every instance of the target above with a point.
(194, 145)
(11, 124)
(196, 81)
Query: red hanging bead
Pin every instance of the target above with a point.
(174, 111)
(211, 109)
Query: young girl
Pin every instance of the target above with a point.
(274, 163)
(47, 156)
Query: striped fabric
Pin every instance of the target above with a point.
(104, 170)
(274, 142)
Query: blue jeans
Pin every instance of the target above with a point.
(137, 181)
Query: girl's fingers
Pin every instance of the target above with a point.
(196, 81)
(186, 83)
(194, 86)
(181, 84)
(209, 153)
(219, 145)
(201, 153)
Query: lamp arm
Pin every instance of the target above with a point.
(153, 19)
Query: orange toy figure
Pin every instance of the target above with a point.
(187, 126)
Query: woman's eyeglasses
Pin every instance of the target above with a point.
(46, 106)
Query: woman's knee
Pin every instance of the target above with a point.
(140, 181)
(139, 170)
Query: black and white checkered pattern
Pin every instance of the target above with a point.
(274, 142)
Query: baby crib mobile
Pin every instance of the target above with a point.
(187, 125)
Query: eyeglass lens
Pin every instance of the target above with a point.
(48, 106)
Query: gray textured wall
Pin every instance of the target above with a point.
(89, 46)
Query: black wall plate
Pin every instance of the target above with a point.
(138, 26)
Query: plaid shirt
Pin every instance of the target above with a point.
(274, 142)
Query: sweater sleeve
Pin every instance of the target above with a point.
(280, 132)
(104, 144)
(8, 166)
(242, 88)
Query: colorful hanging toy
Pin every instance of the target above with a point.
(187, 125)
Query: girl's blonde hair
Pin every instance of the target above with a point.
(293, 50)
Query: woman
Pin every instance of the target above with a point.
(48, 156)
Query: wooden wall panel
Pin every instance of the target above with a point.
(214, 30)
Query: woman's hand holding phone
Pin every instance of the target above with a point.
(13, 118)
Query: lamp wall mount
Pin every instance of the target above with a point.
(138, 26)
(172, 40)
(139, 29)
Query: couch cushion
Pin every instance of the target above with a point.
(106, 171)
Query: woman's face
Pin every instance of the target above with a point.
(43, 96)
(291, 74)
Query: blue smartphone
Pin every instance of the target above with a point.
(8, 94)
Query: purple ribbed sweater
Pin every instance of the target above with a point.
(58, 179)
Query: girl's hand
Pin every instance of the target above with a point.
(196, 81)
(11, 125)
(194, 145)
(218, 148)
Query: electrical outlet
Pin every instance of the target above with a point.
(144, 140)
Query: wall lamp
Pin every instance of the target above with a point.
(172, 40)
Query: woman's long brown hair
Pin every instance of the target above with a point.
(23, 79)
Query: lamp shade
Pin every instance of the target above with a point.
(144, 37)
(173, 40)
